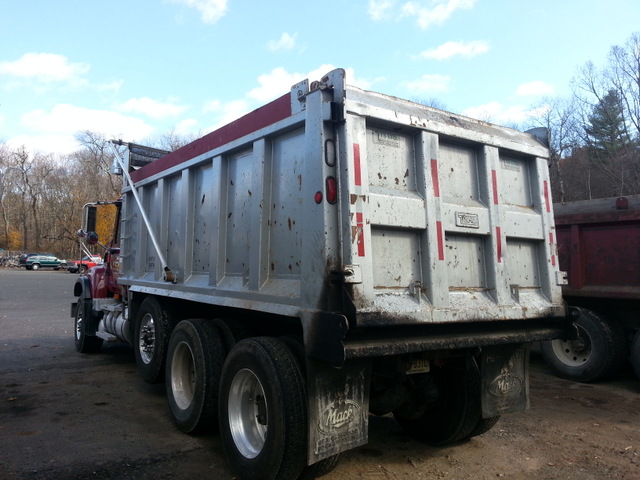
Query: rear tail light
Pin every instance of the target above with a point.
(332, 190)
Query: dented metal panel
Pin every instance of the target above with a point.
(452, 218)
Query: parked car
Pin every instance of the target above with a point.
(84, 264)
(34, 261)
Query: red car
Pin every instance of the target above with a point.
(85, 264)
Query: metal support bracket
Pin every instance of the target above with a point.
(167, 273)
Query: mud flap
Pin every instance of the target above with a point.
(505, 379)
(338, 402)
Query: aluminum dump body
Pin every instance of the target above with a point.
(336, 199)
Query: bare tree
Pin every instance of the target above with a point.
(171, 140)
(595, 136)
(624, 75)
(558, 115)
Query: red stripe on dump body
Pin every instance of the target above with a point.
(357, 167)
(360, 233)
(434, 177)
(262, 117)
(440, 234)
(547, 200)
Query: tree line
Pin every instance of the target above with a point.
(595, 152)
(42, 195)
(595, 132)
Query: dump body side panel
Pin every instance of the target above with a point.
(238, 223)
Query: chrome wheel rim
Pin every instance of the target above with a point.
(248, 419)
(147, 339)
(573, 352)
(183, 376)
(79, 326)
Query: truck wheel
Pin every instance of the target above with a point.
(83, 269)
(194, 363)
(320, 468)
(454, 413)
(263, 411)
(152, 332)
(84, 343)
(483, 426)
(635, 353)
(598, 352)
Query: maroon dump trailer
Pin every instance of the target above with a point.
(599, 248)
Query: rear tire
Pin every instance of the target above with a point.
(321, 468)
(84, 343)
(483, 426)
(194, 364)
(598, 352)
(635, 353)
(263, 411)
(455, 414)
(151, 338)
(35, 266)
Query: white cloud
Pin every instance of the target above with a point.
(186, 126)
(452, 49)
(271, 85)
(210, 10)
(65, 119)
(56, 144)
(285, 42)
(44, 67)
(380, 9)
(535, 88)
(434, 15)
(151, 108)
(278, 81)
(496, 112)
(426, 13)
(428, 84)
(226, 112)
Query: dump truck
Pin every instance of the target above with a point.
(334, 254)
(599, 248)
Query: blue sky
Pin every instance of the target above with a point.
(136, 69)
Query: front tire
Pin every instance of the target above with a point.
(151, 337)
(263, 411)
(194, 365)
(84, 343)
(597, 353)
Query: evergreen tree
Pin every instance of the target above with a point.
(606, 133)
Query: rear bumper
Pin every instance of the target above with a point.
(329, 338)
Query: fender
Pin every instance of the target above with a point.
(97, 281)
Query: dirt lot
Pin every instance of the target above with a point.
(69, 416)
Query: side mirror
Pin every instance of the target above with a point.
(92, 238)
(90, 219)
